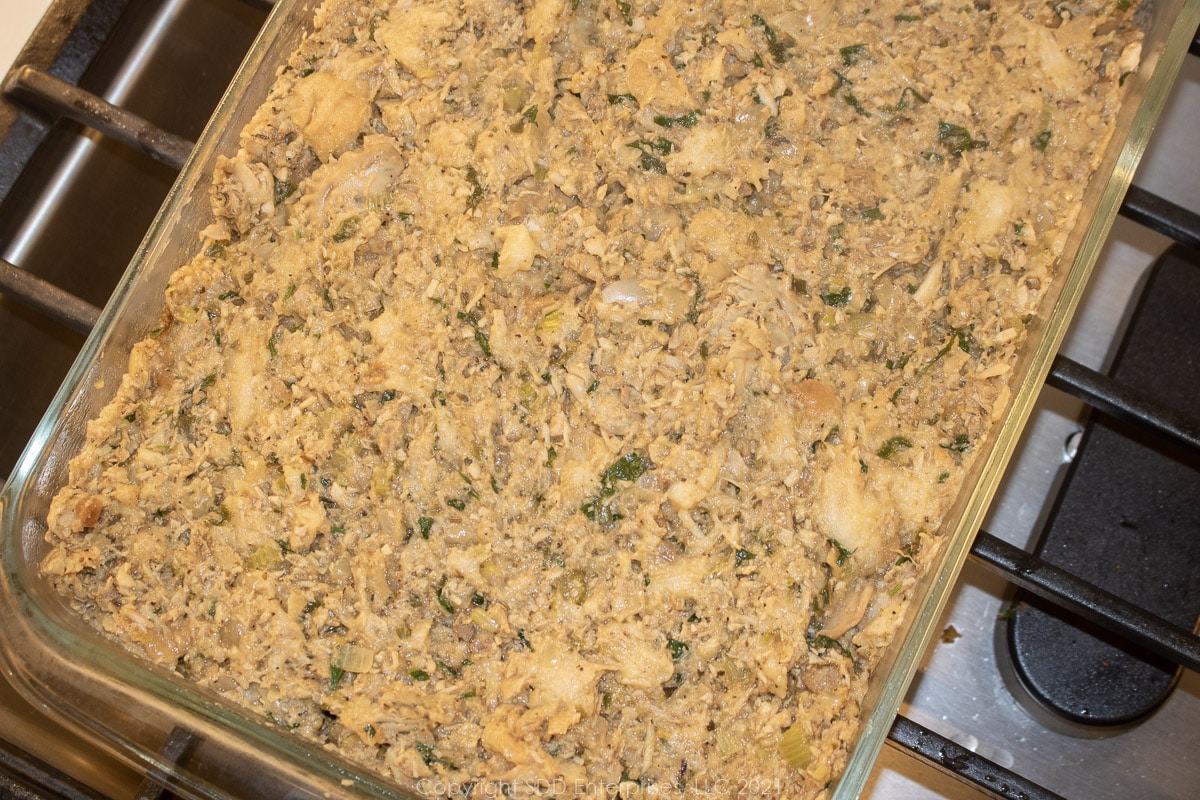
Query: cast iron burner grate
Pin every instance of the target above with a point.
(1098, 654)
(1147, 420)
(75, 201)
(1128, 519)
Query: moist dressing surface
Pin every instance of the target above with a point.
(568, 393)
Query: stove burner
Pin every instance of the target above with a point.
(1128, 520)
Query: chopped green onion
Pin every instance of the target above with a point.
(346, 229)
(795, 747)
(441, 598)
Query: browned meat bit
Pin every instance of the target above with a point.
(89, 509)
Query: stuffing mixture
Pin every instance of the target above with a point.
(567, 394)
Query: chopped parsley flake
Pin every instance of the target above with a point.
(626, 11)
(958, 139)
(476, 189)
(614, 99)
(687, 120)
(678, 649)
(627, 468)
(837, 298)
(430, 758)
(961, 444)
(892, 446)
(741, 556)
(776, 48)
(852, 53)
(823, 642)
(842, 552)
(908, 92)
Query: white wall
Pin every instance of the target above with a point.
(17, 21)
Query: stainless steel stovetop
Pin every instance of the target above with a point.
(958, 691)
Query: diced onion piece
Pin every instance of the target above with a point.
(626, 291)
(263, 557)
(352, 658)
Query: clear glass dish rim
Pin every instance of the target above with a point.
(39, 637)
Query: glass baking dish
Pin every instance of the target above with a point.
(134, 711)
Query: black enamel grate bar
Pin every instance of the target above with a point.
(1124, 401)
(42, 89)
(64, 45)
(48, 299)
(60, 97)
(1161, 215)
(1088, 601)
(178, 750)
(1060, 587)
(958, 762)
(23, 777)
(1126, 519)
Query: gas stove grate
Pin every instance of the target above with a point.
(1080, 598)
(45, 91)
